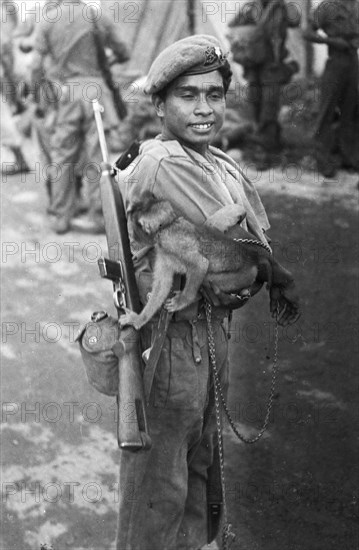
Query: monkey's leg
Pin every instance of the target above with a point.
(162, 283)
(195, 274)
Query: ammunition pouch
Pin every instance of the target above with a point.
(96, 340)
(249, 45)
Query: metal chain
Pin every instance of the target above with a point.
(243, 438)
(227, 534)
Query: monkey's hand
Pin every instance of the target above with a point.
(284, 303)
(130, 318)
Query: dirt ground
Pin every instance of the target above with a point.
(294, 490)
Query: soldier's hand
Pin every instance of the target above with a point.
(284, 304)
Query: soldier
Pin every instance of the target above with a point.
(164, 490)
(10, 101)
(338, 119)
(267, 78)
(68, 40)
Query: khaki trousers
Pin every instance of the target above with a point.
(163, 491)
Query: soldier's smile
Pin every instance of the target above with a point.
(202, 127)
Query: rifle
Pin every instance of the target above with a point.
(102, 59)
(132, 431)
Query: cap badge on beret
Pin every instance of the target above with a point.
(213, 54)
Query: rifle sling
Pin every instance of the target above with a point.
(128, 156)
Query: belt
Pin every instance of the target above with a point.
(196, 311)
(171, 325)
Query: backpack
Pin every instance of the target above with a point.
(249, 45)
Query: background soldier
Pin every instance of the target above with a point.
(266, 79)
(11, 103)
(70, 43)
(338, 119)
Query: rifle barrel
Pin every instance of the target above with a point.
(98, 109)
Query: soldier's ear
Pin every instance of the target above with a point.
(158, 103)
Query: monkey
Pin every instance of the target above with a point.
(205, 255)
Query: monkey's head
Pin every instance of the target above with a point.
(150, 215)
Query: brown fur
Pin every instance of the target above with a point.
(203, 255)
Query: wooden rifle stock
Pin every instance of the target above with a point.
(132, 425)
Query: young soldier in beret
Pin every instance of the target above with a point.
(163, 491)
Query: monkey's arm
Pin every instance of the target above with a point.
(282, 290)
(283, 297)
(259, 256)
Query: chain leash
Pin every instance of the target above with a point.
(227, 535)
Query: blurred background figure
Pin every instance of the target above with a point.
(13, 160)
(66, 62)
(336, 23)
(257, 35)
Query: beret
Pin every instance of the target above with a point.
(197, 54)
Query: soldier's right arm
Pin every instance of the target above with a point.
(316, 24)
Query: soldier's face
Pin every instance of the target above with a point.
(193, 110)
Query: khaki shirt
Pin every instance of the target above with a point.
(197, 188)
(66, 35)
